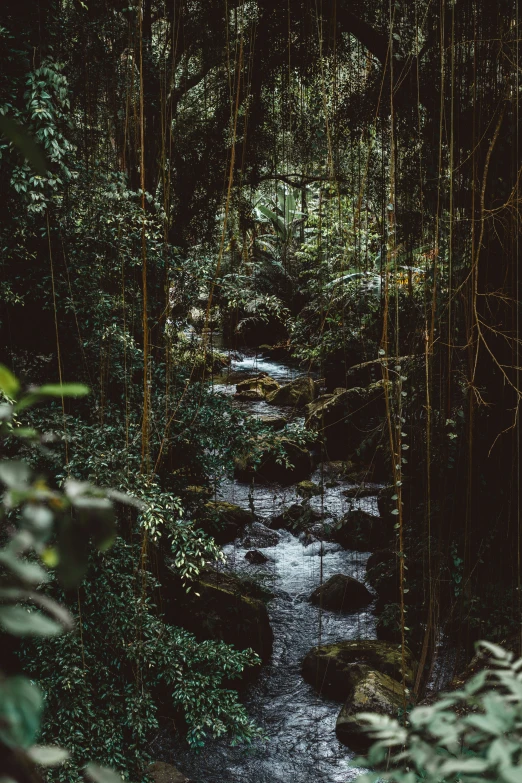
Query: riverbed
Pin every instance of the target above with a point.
(301, 745)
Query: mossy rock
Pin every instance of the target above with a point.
(273, 422)
(342, 593)
(223, 607)
(296, 518)
(330, 667)
(250, 395)
(198, 492)
(263, 384)
(344, 418)
(224, 521)
(363, 532)
(372, 691)
(297, 393)
(308, 489)
(161, 772)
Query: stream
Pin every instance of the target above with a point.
(301, 745)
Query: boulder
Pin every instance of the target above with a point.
(296, 518)
(223, 607)
(331, 668)
(249, 395)
(224, 521)
(161, 772)
(260, 536)
(362, 532)
(277, 352)
(256, 557)
(273, 422)
(319, 404)
(261, 380)
(372, 691)
(344, 418)
(297, 393)
(261, 384)
(269, 469)
(308, 489)
(342, 469)
(342, 593)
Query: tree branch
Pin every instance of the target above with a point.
(375, 42)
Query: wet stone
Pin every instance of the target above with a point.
(260, 536)
(256, 557)
(342, 593)
(161, 772)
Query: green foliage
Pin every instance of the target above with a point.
(101, 686)
(74, 518)
(106, 685)
(466, 736)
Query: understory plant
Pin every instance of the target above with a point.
(468, 735)
(97, 691)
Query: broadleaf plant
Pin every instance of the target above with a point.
(467, 735)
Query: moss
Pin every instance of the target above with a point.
(222, 606)
(330, 666)
(372, 692)
(297, 393)
(262, 384)
(308, 489)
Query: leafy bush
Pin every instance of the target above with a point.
(467, 736)
(102, 686)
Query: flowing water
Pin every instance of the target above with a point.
(301, 745)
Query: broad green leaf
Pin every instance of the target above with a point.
(19, 621)
(25, 432)
(499, 752)
(39, 519)
(50, 557)
(14, 474)
(266, 212)
(26, 401)
(76, 489)
(511, 774)
(487, 723)
(102, 774)
(52, 607)
(495, 650)
(464, 765)
(8, 383)
(128, 500)
(6, 411)
(48, 755)
(63, 390)
(23, 569)
(477, 682)
(21, 705)
(18, 135)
